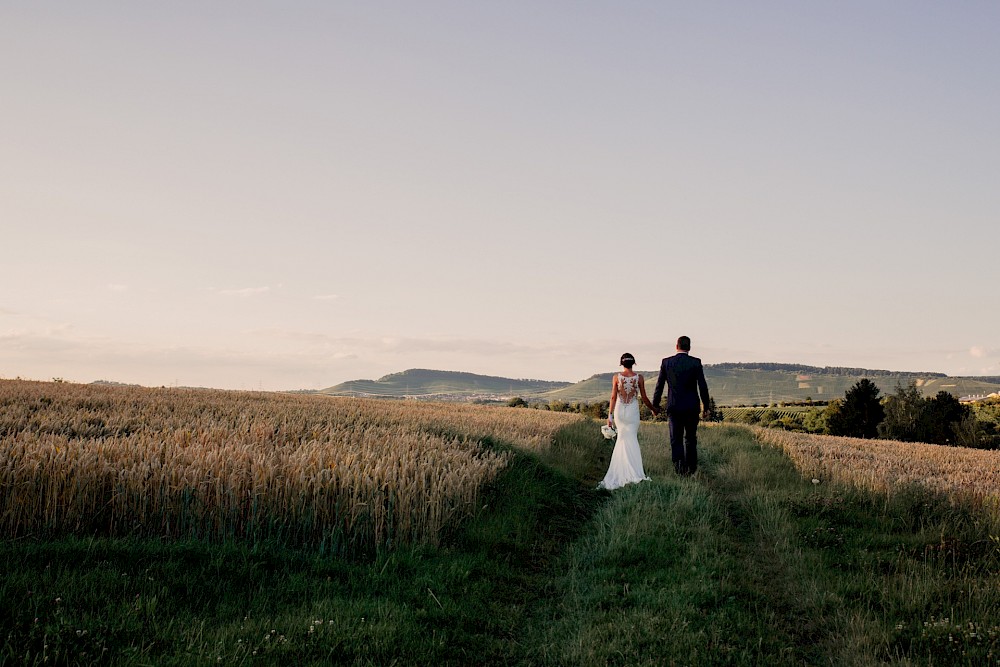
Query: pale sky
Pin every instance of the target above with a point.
(288, 195)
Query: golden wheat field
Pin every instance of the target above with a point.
(970, 474)
(338, 473)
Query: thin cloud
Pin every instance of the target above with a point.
(395, 353)
(979, 352)
(81, 358)
(453, 346)
(326, 297)
(245, 292)
(385, 353)
(290, 359)
(117, 288)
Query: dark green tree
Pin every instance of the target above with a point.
(598, 410)
(714, 413)
(970, 432)
(832, 413)
(751, 416)
(940, 417)
(941, 420)
(903, 414)
(517, 402)
(860, 413)
(814, 421)
(789, 422)
(768, 417)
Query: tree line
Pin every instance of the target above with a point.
(904, 415)
(863, 412)
(599, 409)
(818, 370)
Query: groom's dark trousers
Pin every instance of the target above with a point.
(684, 440)
(684, 378)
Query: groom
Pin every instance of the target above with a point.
(685, 379)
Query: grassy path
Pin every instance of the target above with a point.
(685, 571)
(744, 564)
(747, 563)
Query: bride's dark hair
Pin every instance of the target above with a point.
(628, 361)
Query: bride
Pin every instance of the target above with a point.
(626, 460)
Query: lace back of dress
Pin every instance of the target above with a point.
(628, 388)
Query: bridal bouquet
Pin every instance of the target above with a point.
(608, 432)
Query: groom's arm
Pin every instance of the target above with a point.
(660, 379)
(702, 387)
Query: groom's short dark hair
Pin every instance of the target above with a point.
(684, 343)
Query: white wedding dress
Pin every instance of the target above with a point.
(626, 460)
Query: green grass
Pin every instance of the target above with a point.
(746, 563)
(141, 601)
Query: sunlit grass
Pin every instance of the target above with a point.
(747, 562)
(342, 475)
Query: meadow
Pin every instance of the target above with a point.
(334, 473)
(753, 414)
(784, 549)
(970, 476)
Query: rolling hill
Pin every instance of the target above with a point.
(748, 384)
(443, 385)
(729, 384)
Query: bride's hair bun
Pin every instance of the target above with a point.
(627, 360)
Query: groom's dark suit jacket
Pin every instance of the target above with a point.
(685, 379)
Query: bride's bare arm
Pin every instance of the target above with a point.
(614, 398)
(642, 392)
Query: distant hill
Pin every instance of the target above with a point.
(729, 384)
(443, 385)
(748, 384)
(112, 383)
(822, 370)
(992, 379)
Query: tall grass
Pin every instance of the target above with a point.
(971, 475)
(340, 474)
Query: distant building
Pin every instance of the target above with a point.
(975, 398)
